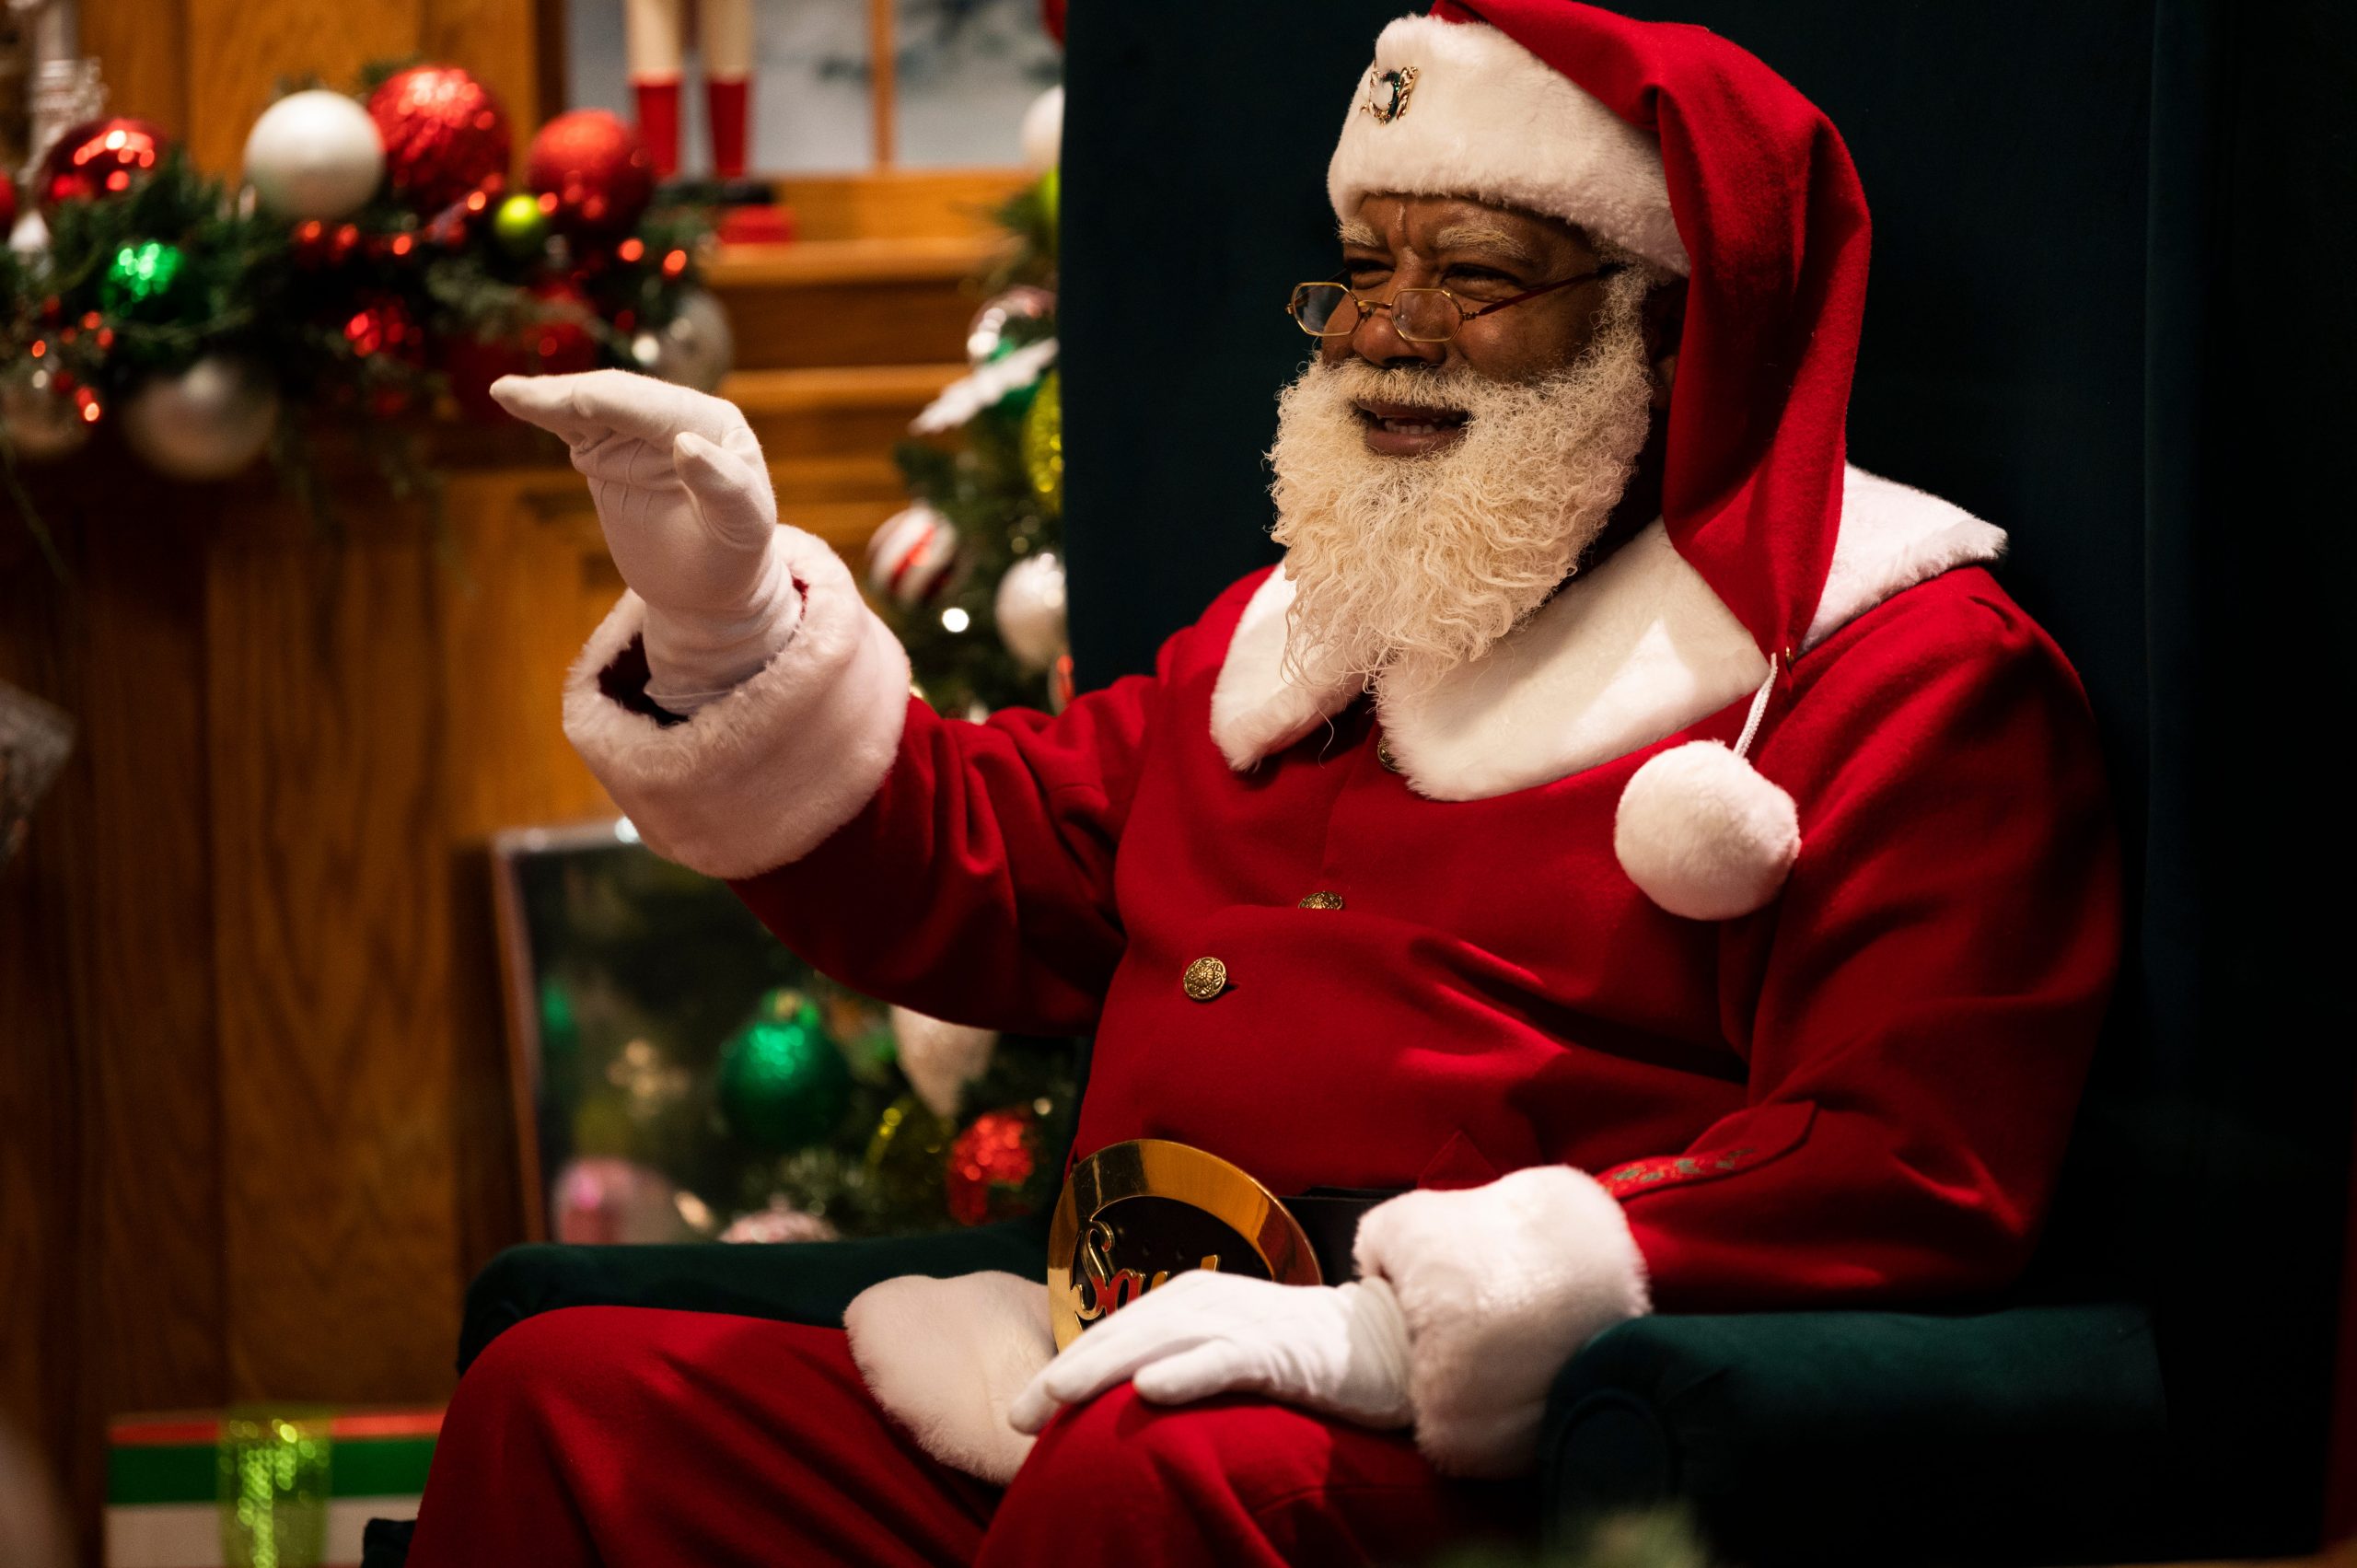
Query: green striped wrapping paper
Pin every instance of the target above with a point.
(163, 1508)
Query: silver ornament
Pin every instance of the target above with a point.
(315, 155)
(208, 422)
(696, 348)
(41, 425)
(1030, 610)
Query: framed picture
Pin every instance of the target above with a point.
(646, 1013)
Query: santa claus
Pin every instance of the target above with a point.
(1652, 864)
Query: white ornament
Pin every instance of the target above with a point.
(41, 426)
(941, 1059)
(1030, 610)
(915, 557)
(779, 1222)
(315, 155)
(696, 348)
(208, 422)
(1043, 131)
(30, 237)
(1703, 835)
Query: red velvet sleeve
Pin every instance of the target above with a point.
(1919, 1008)
(976, 884)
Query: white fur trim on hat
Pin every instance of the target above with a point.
(1703, 835)
(759, 777)
(944, 1357)
(1488, 119)
(1500, 1285)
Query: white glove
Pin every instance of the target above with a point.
(1341, 1350)
(685, 501)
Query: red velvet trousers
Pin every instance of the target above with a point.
(637, 1437)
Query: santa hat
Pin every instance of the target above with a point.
(1673, 143)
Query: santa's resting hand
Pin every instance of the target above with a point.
(684, 498)
(1341, 1350)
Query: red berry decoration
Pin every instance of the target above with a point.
(989, 1165)
(99, 158)
(557, 346)
(593, 164)
(445, 136)
(7, 201)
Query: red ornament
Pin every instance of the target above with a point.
(7, 201)
(99, 158)
(445, 136)
(554, 347)
(593, 164)
(383, 324)
(1052, 17)
(989, 1164)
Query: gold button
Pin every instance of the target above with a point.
(1383, 755)
(1205, 978)
(1321, 900)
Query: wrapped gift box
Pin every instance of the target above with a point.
(163, 1483)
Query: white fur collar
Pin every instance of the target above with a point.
(1638, 649)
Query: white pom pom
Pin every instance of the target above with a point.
(1703, 835)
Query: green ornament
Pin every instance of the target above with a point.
(783, 1082)
(519, 227)
(139, 281)
(1043, 445)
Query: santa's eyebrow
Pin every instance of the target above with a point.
(1485, 237)
(1358, 232)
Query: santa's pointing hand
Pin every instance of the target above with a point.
(1340, 1350)
(684, 499)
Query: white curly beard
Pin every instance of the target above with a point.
(1404, 567)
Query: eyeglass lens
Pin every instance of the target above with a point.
(1420, 315)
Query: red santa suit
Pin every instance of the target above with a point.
(1798, 704)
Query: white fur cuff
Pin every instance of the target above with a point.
(944, 1358)
(1500, 1285)
(759, 777)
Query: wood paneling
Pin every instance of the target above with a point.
(333, 958)
(150, 1047)
(42, 1207)
(142, 45)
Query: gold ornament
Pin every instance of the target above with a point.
(1043, 445)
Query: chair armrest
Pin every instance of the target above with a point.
(2032, 1434)
(794, 1281)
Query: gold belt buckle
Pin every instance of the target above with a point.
(1132, 1214)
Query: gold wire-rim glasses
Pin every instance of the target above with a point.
(1460, 311)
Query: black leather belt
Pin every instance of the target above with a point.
(1329, 1216)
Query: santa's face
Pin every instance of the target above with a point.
(1483, 256)
(1431, 495)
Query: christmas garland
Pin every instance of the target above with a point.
(372, 267)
